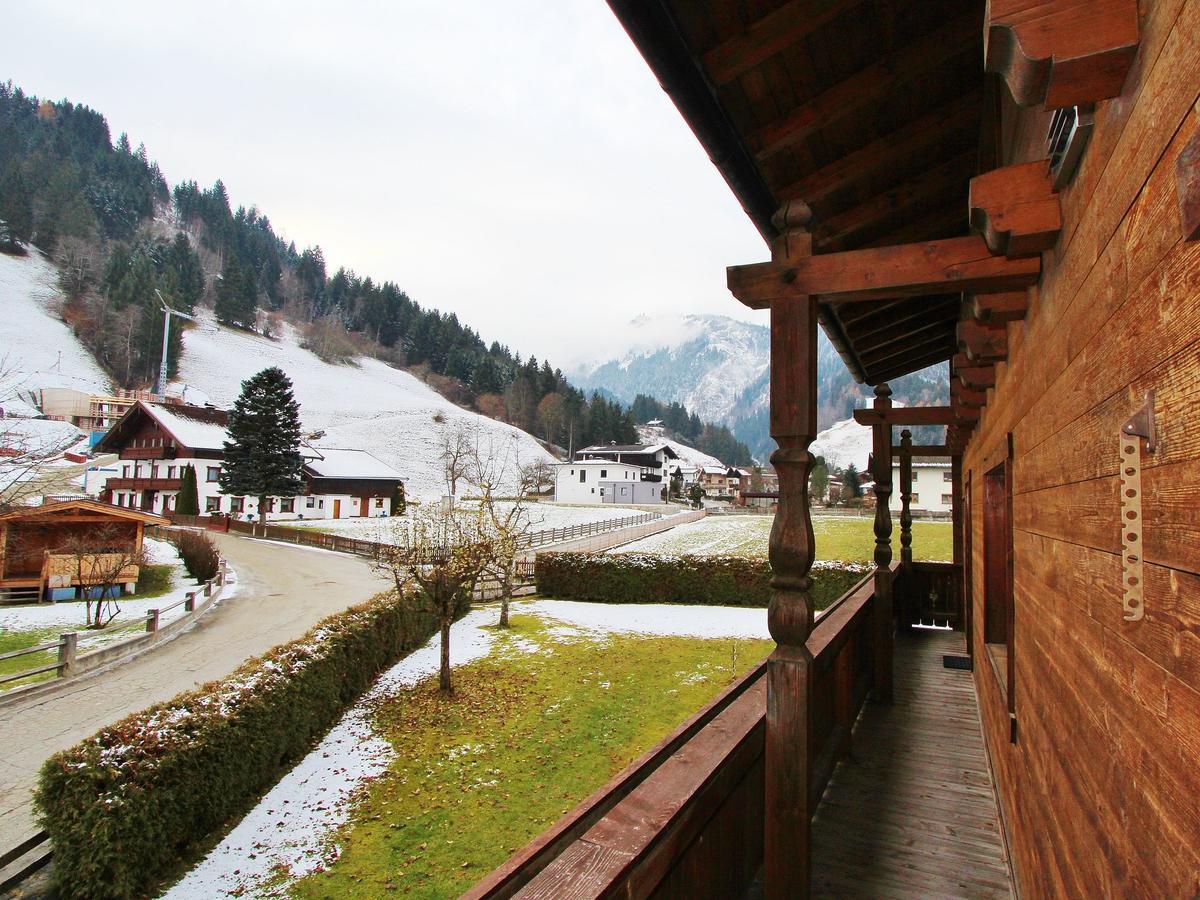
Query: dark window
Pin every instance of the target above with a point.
(582, 475)
(997, 573)
(237, 504)
(604, 473)
(947, 476)
(212, 504)
(213, 473)
(287, 504)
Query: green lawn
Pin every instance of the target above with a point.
(847, 538)
(527, 736)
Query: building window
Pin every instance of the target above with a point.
(947, 476)
(170, 471)
(914, 498)
(214, 473)
(379, 503)
(583, 477)
(124, 471)
(624, 491)
(287, 504)
(310, 502)
(212, 504)
(947, 499)
(604, 473)
(997, 574)
(237, 504)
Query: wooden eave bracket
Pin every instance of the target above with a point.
(999, 309)
(1015, 209)
(981, 344)
(1057, 53)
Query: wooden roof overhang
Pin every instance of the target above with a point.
(868, 111)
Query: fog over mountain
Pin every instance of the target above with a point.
(717, 367)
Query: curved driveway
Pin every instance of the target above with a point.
(282, 591)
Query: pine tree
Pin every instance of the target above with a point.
(187, 501)
(262, 457)
(236, 296)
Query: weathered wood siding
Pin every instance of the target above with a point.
(1101, 790)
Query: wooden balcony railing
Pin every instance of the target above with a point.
(930, 593)
(687, 818)
(143, 484)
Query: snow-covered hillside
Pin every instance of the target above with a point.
(703, 362)
(689, 455)
(37, 349)
(369, 406)
(845, 443)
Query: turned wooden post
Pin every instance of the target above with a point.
(791, 550)
(882, 457)
(959, 528)
(904, 600)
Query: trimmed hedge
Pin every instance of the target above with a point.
(707, 580)
(125, 807)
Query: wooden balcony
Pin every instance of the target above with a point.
(149, 453)
(143, 484)
(902, 790)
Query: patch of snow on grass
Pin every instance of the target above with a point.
(653, 619)
(287, 831)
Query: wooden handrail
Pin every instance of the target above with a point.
(49, 645)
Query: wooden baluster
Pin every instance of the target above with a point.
(793, 421)
(908, 609)
(882, 457)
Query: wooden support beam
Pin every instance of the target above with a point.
(919, 347)
(876, 82)
(1057, 53)
(906, 520)
(881, 459)
(961, 114)
(791, 550)
(976, 377)
(932, 267)
(961, 395)
(905, 415)
(770, 35)
(1016, 209)
(946, 222)
(999, 309)
(981, 344)
(933, 450)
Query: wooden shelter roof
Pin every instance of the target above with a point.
(78, 507)
(869, 111)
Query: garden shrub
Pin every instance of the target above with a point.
(199, 554)
(707, 580)
(125, 807)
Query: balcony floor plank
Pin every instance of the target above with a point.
(871, 834)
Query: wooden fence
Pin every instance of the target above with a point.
(70, 662)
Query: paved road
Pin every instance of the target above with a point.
(282, 592)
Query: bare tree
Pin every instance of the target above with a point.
(507, 522)
(457, 446)
(102, 560)
(25, 449)
(435, 560)
(538, 475)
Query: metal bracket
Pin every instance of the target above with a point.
(1141, 423)
(1139, 427)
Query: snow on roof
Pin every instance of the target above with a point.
(714, 470)
(191, 426)
(599, 462)
(630, 448)
(337, 462)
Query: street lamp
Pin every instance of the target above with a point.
(160, 387)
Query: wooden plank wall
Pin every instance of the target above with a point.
(1101, 791)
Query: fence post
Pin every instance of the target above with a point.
(189, 601)
(208, 588)
(69, 643)
(152, 620)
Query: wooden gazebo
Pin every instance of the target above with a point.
(1011, 187)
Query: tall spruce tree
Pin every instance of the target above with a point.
(262, 456)
(187, 502)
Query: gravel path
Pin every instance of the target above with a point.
(282, 591)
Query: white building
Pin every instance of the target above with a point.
(156, 442)
(605, 481)
(932, 485)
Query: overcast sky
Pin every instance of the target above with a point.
(513, 161)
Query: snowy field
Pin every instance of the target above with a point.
(71, 615)
(290, 829)
(36, 347)
(370, 406)
(542, 516)
(846, 538)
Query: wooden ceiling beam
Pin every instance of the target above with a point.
(999, 309)
(1057, 53)
(965, 396)
(874, 83)
(977, 378)
(932, 267)
(1016, 209)
(852, 313)
(904, 367)
(770, 35)
(906, 415)
(949, 175)
(938, 223)
(903, 319)
(916, 136)
(909, 346)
